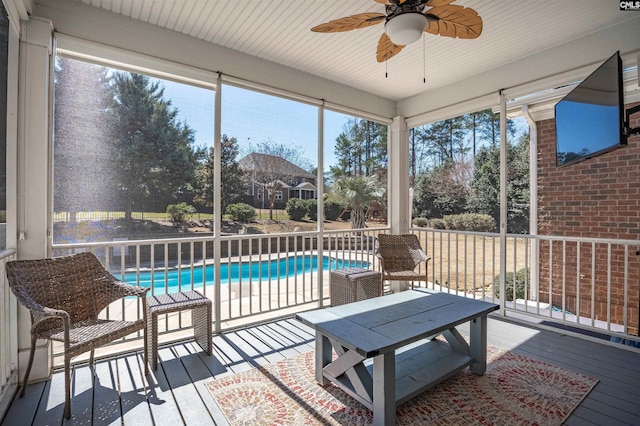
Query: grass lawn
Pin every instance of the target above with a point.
(460, 261)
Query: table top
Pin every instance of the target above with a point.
(176, 301)
(383, 324)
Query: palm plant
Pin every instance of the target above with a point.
(357, 193)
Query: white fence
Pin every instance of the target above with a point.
(8, 330)
(258, 275)
(594, 283)
(587, 283)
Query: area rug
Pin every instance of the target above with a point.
(515, 390)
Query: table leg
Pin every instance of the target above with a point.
(152, 338)
(478, 346)
(323, 357)
(384, 389)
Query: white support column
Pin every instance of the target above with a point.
(503, 199)
(320, 205)
(217, 208)
(398, 184)
(398, 179)
(34, 173)
(533, 202)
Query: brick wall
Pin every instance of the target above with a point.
(595, 198)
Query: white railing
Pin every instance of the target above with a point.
(8, 328)
(277, 274)
(260, 275)
(595, 283)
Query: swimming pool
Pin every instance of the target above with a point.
(236, 272)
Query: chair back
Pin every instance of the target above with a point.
(400, 252)
(77, 284)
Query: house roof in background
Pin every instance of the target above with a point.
(278, 166)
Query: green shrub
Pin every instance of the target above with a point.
(179, 213)
(241, 212)
(312, 208)
(332, 209)
(470, 222)
(421, 222)
(296, 208)
(438, 224)
(521, 281)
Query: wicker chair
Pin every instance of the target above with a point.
(399, 256)
(64, 296)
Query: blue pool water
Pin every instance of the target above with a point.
(235, 272)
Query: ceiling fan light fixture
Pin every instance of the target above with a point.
(406, 27)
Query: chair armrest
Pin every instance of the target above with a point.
(41, 313)
(130, 290)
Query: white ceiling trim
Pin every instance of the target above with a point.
(103, 27)
(133, 61)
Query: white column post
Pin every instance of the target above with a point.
(533, 202)
(34, 173)
(398, 184)
(320, 205)
(503, 200)
(217, 208)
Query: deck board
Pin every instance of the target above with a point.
(176, 393)
(161, 401)
(192, 407)
(106, 398)
(133, 391)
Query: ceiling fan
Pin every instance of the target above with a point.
(406, 20)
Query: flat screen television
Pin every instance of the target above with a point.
(590, 118)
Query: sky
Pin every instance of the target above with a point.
(252, 117)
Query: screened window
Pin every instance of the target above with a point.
(274, 142)
(356, 165)
(454, 168)
(128, 150)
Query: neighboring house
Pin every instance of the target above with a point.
(277, 177)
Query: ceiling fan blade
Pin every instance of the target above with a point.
(392, 2)
(454, 21)
(438, 3)
(349, 23)
(386, 48)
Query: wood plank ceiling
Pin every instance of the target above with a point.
(279, 31)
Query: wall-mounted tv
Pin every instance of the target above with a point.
(590, 118)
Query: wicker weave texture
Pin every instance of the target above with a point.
(354, 284)
(399, 256)
(65, 296)
(201, 316)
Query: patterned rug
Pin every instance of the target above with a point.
(515, 390)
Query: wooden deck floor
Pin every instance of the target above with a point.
(175, 394)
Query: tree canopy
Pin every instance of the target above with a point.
(357, 193)
(154, 155)
(231, 175)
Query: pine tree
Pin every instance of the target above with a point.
(82, 139)
(154, 161)
(231, 175)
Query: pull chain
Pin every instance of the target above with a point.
(424, 61)
(386, 61)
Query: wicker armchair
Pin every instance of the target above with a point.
(65, 295)
(399, 256)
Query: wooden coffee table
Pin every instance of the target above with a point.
(395, 332)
